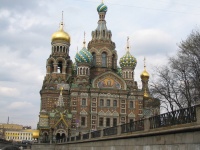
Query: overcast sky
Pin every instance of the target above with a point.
(155, 28)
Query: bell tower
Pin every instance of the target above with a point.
(58, 70)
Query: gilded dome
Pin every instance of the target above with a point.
(60, 35)
(102, 8)
(144, 74)
(128, 60)
(84, 56)
(36, 134)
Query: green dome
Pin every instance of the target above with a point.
(84, 56)
(128, 60)
(102, 8)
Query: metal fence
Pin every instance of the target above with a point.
(96, 134)
(132, 126)
(110, 131)
(182, 116)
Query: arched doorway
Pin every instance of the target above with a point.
(45, 137)
(60, 137)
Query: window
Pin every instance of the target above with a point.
(83, 102)
(131, 104)
(59, 68)
(101, 102)
(108, 102)
(82, 121)
(131, 120)
(104, 33)
(114, 122)
(115, 103)
(107, 122)
(104, 59)
(101, 121)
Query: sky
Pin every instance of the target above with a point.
(155, 29)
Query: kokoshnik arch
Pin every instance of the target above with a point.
(93, 92)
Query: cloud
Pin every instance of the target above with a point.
(10, 92)
(152, 42)
(20, 105)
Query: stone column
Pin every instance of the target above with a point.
(146, 124)
(64, 69)
(119, 130)
(198, 113)
(55, 65)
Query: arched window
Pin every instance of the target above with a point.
(94, 59)
(54, 49)
(60, 66)
(126, 75)
(57, 48)
(81, 71)
(104, 59)
(64, 49)
(87, 71)
(130, 75)
(60, 48)
(104, 34)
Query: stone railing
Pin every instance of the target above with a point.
(178, 117)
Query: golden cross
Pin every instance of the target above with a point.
(84, 39)
(62, 16)
(128, 43)
(144, 62)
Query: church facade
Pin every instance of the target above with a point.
(93, 92)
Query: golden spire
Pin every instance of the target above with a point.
(128, 44)
(84, 40)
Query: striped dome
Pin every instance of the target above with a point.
(84, 56)
(128, 60)
(102, 8)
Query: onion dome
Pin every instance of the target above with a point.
(60, 35)
(128, 60)
(102, 8)
(83, 56)
(144, 74)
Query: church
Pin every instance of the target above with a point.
(91, 92)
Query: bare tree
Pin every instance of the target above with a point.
(177, 85)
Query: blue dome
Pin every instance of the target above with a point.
(102, 8)
(84, 56)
